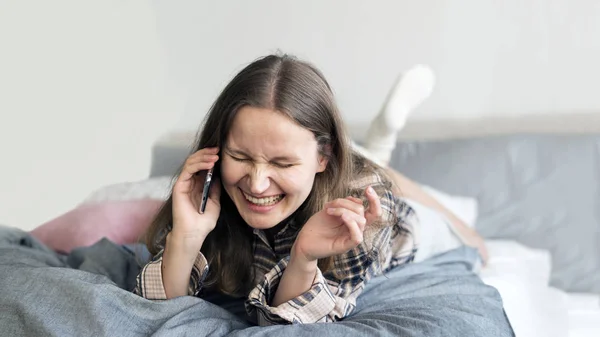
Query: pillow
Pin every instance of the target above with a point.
(465, 208)
(119, 212)
(436, 234)
(156, 188)
(121, 221)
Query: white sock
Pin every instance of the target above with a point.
(368, 154)
(409, 91)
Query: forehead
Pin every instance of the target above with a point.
(265, 131)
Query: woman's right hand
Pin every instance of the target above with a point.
(188, 223)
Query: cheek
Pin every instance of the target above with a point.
(296, 180)
(231, 172)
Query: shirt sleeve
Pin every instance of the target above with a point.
(149, 282)
(318, 304)
(394, 237)
(403, 240)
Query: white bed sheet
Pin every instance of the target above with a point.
(521, 275)
(584, 314)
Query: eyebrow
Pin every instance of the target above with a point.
(278, 158)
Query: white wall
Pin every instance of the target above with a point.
(82, 98)
(491, 57)
(87, 86)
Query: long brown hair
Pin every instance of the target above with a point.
(297, 89)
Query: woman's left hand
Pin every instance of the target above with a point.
(337, 228)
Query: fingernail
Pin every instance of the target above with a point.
(371, 190)
(330, 210)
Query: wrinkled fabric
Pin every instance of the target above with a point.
(89, 293)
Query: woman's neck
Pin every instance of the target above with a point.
(273, 231)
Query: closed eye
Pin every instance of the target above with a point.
(274, 163)
(239, 159)
(282, 165)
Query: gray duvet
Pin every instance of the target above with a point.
(88, 293)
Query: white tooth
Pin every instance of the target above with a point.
(263, 201)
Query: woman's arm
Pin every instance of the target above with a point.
(177, 270)
(297, 278)
(177, 263)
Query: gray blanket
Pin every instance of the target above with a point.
(88, 293)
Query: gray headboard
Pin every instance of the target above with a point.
(536, 180)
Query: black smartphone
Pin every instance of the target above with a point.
(206, 190)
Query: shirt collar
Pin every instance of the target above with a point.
(289, 228)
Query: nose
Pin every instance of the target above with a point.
(259, 180)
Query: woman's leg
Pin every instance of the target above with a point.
(410, 90)
(411, 190)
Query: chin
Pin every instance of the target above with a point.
(260, 223)
(263, 220)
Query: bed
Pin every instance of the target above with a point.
(502, 176)
(536, 184)
(536, 180)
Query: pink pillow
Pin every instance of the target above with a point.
(122, 222)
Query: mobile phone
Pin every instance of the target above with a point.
(206, 190)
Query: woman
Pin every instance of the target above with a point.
(296, 221)
(409, 91)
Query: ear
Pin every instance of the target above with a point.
(324, 159)
(322, 163)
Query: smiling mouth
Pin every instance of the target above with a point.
(268, 201)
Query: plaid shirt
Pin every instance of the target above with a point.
(332, 296)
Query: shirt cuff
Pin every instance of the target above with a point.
(150, 281)
(310, 307)
(198, 275)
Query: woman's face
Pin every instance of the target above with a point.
(268, 165)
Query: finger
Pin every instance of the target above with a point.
(196, 191)
(342, 212)
(348, 204)
(201, 158)
(209, 154)
(374, 210)
(206, 159)
(361, 220)
(191, 169)
(356, 200)
(356, 234)
(198, 155)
